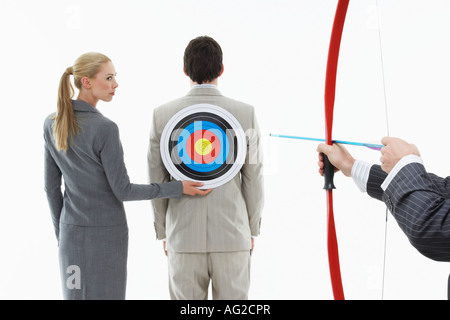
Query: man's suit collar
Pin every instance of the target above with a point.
(80, 105)
(204, 91)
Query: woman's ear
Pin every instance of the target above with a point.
(86, 82)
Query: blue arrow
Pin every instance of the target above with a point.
(361, 144)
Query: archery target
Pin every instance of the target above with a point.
(204, 143)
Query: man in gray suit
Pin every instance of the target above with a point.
(209, 238)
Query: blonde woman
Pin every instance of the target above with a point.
(83, 148)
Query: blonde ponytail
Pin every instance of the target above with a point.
(65, 122)
(66, 125)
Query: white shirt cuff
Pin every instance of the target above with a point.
(360, 174)
(403, 162)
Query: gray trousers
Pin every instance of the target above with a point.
(93, 262)
(190, 274)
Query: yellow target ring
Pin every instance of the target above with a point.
(203, 147)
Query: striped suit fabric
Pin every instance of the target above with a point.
(420, 203)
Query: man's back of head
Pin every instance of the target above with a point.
(203, 60)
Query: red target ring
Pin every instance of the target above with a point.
(205, 143)
(203, 146)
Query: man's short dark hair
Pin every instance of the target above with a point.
(203, 59)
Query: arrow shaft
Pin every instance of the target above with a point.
(360, 144)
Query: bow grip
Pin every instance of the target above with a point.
(328, 173)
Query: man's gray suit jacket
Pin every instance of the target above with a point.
(226, 218)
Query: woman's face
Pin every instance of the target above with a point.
(104, 85)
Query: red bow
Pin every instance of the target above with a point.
(330, 86)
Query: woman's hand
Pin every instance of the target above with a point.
(191, 188)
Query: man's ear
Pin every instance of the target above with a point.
(221, 71)
(86, 82)
(184, 70)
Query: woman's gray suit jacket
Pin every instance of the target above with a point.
(89, 217)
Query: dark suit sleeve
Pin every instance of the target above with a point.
(420, 203)
(376, 178)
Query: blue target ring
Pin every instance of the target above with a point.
(198, 127)
(205, 143)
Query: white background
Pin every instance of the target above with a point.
(275, 57)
